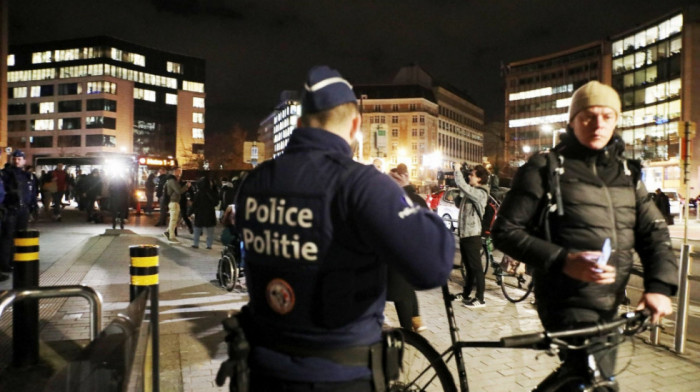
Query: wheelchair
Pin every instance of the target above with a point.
(230, 271)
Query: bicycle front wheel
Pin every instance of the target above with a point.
(422, 368)
(516, 286)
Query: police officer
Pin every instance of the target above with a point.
(19, 200)
(318, 231)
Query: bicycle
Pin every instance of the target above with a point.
(516, 280)
(424, 369)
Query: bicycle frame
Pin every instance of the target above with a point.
(538, 340)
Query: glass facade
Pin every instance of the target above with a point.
(646, 71)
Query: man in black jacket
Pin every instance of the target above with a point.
(603, 198)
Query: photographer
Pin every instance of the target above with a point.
(474, 195)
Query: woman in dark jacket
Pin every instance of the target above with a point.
(204, 210)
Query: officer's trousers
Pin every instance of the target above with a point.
(266, 383)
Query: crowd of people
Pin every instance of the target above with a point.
(328, 240)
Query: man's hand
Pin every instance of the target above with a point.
(582, 266)
(658, 304)
(401, 179)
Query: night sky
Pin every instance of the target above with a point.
(254, 49)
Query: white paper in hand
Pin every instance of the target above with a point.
(605, 252)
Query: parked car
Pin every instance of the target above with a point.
(447, 210)
(433, 199)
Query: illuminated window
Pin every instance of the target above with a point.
(174, 67)
(193, 86)
(197, 133)
(43, 107)
(198, 102)
(41, 125)
(34, 74)
(198, 118)
(171, 99)
(35, 91)
(19, 92)
(41, 57)
(10, 60)
(146, 95)
(102, 86)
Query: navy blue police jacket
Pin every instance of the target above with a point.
(318, 231)
(19, 189)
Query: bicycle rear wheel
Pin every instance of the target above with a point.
(422, 368)
(516, 286)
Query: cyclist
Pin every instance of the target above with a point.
(318, 230)
(602, 198)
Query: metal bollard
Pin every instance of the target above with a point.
(144, 274)
(25, 315)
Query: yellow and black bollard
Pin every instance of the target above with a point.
(144, 276)
(25, 315)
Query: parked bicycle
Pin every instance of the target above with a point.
(514, 278)
(424, 369)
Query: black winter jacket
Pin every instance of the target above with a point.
(602, 198)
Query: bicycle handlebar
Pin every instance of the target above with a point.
(634, 322)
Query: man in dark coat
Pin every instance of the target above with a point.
(20, 198)
(602, 198)
(203, 207)
(664, 205)
(318, 230)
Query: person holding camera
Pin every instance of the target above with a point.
(474, 194)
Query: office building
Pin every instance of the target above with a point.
(655, 67)
(538, 93)
(103, 96)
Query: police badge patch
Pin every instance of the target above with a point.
(280, 296)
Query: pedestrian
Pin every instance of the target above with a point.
(59, 176)
(173, 190)
(663, 203)
(185, 202)
(163, 200)
(19, 199)
(318, 231)
(34, 185)
(204, 209)
(150, 191)
(92, 190)
(119, 200)
(399, 291)
(474, 194)
(601, 198)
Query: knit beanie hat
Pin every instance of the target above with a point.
(594, 93)
(324, 89)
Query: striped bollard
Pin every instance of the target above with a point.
(25, 314)
(144, 273)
